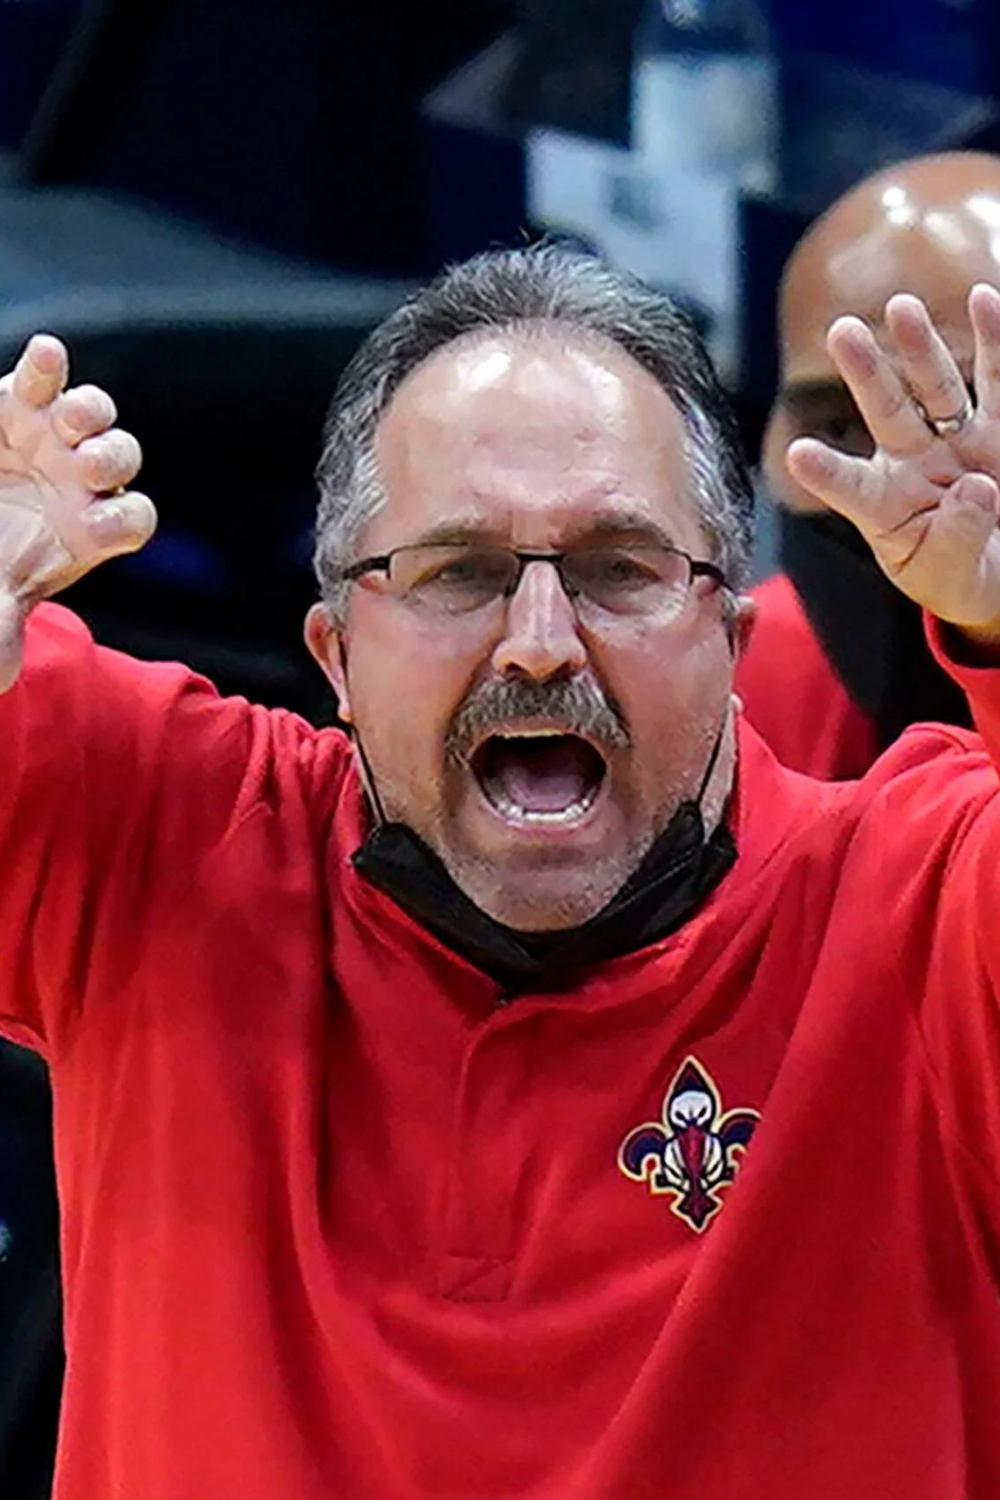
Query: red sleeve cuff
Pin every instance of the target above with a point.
(980, 682)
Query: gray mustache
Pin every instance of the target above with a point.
(575, 704)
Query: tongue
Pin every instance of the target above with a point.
(543, 775)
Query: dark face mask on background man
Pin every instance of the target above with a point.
(872, 634)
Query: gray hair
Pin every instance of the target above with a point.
(498, 291)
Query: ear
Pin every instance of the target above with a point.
(741, 627)
(326, 645)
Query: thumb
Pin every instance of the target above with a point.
(955, 570)
(968, 512)
(12, 617)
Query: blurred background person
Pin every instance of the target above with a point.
(837, 664)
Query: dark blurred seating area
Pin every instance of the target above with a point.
(214, 202)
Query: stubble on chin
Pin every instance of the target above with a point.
(523, 895)
(541, 899)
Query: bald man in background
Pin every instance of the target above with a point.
(838, 666)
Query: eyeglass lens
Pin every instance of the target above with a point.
(617, 579)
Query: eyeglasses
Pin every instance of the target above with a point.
(646, 579)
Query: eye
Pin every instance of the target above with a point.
(463, 570)
(473, 570)
(616, 569)
(454, 578)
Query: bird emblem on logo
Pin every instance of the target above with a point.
(690, 1154)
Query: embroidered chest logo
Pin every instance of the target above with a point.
(694, 1152)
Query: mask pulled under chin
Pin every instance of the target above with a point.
(872, 634)
(679, 872)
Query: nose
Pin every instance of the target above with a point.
(542, 637)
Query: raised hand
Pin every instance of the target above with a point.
(64, 507)
(927, 501)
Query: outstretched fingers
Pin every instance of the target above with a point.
(83, 412)
(108, 461)
(42, 371)
(984, 315)
(881, 397)
(122, 523)
(853, 487)
(926, 365)
(927, 502)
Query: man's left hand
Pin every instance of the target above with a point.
(927, 501)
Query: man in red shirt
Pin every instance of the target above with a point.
(838, 664)
(594, 1108)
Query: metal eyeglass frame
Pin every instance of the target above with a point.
(383, 563)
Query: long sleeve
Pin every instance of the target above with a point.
(116, 776)
(938, 828)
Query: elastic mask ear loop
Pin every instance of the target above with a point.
(712, 762)
(729, 624)
(366, 770)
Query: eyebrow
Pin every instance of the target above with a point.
(459, 530)
(455, 529)
(634, 523)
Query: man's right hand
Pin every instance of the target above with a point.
(64, 469)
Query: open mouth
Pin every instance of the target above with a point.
(539, 776)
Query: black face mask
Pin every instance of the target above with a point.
(872, 634)
(681, 869)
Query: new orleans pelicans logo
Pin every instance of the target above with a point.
(691, 1154)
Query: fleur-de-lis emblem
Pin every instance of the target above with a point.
(692, 1154)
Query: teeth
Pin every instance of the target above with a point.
(517, 814)
(531, 734)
